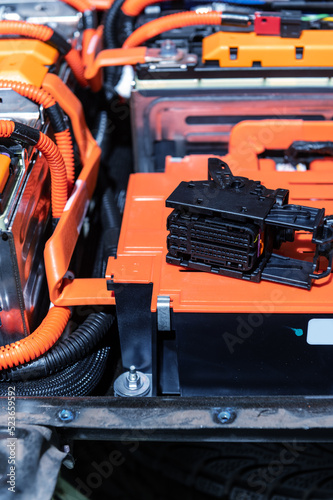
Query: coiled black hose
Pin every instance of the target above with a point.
(56, 117)
(79, 379)
(125, 27)
(110, 36)
(102, 125)
(112, 74)
(66, 352)
(111, 223)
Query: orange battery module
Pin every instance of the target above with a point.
(142, 246)
(169, 309)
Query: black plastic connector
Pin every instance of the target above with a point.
(232, 225)
(291, 24)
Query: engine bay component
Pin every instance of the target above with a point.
(37, 175)
(23, 235)
(24, 219)
(194, 331)
(232, 225)
(62, 17)
(249, 50)
(132, 384)
(110, 113)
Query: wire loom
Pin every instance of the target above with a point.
(76, 380)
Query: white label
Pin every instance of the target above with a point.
(320, 331)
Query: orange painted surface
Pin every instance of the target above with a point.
(60, 247)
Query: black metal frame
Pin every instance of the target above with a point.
(179, 419)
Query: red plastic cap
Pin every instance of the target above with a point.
(267, 24)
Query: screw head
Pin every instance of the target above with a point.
(66, 415)
(224, 415)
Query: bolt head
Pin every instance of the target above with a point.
(225, 416)
(132, 384)
(66, 415)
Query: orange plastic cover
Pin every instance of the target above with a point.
(313, 48)
(142, 246)
(26, 61)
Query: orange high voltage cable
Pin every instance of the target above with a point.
(134, 7)
(173, 21)
(65, 146)
(63, 138)
(38, 342)
(79, 5)
(52, 154)
(59, 185)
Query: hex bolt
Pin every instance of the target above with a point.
(66, 415)
(225, 416)
(168, 48)
(132, 383)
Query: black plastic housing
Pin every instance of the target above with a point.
(231, 225)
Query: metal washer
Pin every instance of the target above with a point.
(121, 387)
